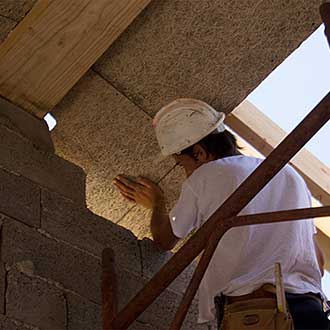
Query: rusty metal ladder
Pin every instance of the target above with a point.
(209, 235)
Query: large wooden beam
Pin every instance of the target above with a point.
(55, 44)
(264, 135)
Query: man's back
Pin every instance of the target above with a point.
(245, 257)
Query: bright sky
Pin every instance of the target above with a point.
(293, 89)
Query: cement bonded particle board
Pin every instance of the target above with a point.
(103, 132)
(215, 50)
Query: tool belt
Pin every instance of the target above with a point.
(263, 309)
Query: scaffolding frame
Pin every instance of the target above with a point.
(224, 218)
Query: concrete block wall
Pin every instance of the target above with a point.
(51, 246)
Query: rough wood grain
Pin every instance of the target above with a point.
(55, 44)
(264, 135)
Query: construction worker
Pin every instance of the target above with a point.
(241, 274)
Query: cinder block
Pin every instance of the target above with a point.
(54, 260)
(152, 261)
(142, 326)
(162, 311)
(79, 226)
(83, 314)
(33, 301)
(19, 198)
(20, 156)
(7, 323)
(27, 125)
(2, 287)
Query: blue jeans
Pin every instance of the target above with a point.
(307, 312)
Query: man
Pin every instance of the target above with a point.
(194, 134)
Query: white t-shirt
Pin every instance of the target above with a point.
(245, 257)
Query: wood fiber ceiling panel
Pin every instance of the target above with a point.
(215, 50)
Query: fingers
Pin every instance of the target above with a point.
(124, 188)
(145, 182)
(129, 198)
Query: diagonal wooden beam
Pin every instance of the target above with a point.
(264, 135)
(231, 207)
(55, 44)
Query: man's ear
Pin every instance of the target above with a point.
(199, 153)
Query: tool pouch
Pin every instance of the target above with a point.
(255, 314)
(265, 313)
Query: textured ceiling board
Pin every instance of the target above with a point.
(215, 50)
(102, 131)
(138, 219)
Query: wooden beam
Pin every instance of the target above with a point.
(264, 135)
(54, 46)
(324, 242)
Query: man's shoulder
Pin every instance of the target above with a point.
(224, 169)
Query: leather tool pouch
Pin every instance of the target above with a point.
(261, 310)
(255, 314)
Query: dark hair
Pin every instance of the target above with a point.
(219, 145)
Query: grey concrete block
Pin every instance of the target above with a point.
(6, 25)
(72, 268)
(142, 326)
(33, 128)
(15, 9)
(79, 226)
(218, 51)
(19, 198)
(20, 156)
(120, 139)
(152, 261)
(162, 311)
(83, 314)
(2, 287)
(33, 301)
(7, 323)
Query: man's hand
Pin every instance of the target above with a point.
(142, 191)
(148, 194)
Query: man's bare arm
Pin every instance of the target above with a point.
(161, 228)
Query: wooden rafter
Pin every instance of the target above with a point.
(264, 135)
(54, 46)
